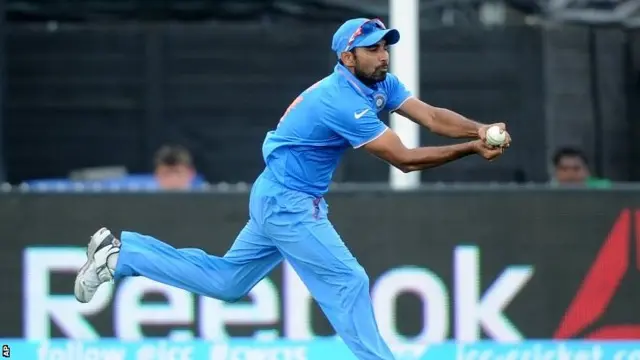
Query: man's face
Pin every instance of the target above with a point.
(371, 64)
(175, 177)
(571, 170)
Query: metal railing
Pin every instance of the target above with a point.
(243, 187)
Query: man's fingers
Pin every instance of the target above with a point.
(507, 141)
(482, 133)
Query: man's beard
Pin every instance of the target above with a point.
(377, 76)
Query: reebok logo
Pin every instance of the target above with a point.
(358, 115)
(602, 282)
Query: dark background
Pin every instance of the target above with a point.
(559, 233)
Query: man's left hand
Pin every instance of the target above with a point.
(482, 133)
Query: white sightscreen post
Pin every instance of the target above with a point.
(405, 16)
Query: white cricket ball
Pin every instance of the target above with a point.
(496, 136)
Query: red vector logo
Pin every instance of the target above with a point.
(601, 283)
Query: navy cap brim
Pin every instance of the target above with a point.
(392, 36)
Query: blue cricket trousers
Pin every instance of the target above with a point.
(283, 224)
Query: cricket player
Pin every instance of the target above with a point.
(287, 211)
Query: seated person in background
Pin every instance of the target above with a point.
(571, 168)
(174, 169)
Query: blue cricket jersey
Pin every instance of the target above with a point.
(334, 114)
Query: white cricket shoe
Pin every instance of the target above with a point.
(95, 271)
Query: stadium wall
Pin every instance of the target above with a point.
(501, 265)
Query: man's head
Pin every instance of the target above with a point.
(571, 166)
(174, 168)
(362, 46)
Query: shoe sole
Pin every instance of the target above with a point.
(78, 290)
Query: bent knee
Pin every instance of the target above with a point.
(229, 292)
(231, 298)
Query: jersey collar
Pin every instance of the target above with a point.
(353, 81)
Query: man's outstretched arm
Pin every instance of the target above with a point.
(390, 148)
(439, 120)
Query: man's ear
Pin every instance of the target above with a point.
(348, 59)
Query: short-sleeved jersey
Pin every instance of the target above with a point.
(336, 113)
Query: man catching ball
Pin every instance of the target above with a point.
(287, 211)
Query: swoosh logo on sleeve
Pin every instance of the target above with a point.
(358, 115)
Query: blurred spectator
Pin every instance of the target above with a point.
(571, 167)
(174, 169)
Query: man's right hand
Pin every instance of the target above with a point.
(487, 151)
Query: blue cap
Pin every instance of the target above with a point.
(346, 30)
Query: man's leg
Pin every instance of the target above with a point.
(229, 278)
(334, 277)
